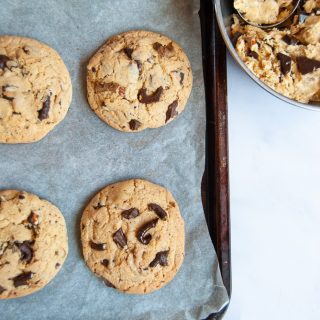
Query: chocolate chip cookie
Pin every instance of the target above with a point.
(33, 243)
(139, 80)
(35, 89)
(133, 236)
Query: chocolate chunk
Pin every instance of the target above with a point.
(154, 97)
(120, 238)
(105, 262)
(306, 65)
(110, 86)
(172, 110)
(33, 218)
(25, 50)
(98, 246)
(26, 250)
(98, 206)
(2, 289)
(44, 112)
(21, 196)
(139, 64)
(128, 52)
(291, 41)
(108, 283)
(252, 54)
(130, 214)
(181, 78)
(285, 63)
(235, 38)
(57, 265)
(158, 210)
(93, 69)
(134, 124)
(22, 279)
(3, 61)
(161, 258)
(163, 49)
(142, 234)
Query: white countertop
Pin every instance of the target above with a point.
(275, 205)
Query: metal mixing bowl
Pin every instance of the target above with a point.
(224, 11)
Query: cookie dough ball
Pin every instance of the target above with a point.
(138, 80)
(33, 243)
(35, 89)
(264, 11)
(133, 236)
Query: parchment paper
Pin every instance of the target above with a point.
(83, 154)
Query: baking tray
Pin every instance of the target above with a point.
(215, 183)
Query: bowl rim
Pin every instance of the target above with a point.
(235, 55)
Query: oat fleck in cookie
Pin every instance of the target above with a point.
(138, 80)
(133, 236)
(35, 89)
(33, 243)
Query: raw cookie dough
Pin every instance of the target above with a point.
(33, 243)
(35, 89)
(280, 60)
(312, 6)
(133, 236)
(264, 11)
(138, 80)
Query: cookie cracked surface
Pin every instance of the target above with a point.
(35, 89)
(138, 80)
(33, 243)
(133, 236)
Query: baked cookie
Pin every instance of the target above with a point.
(133, 236)
(35, 89)
(33, 243)
(138, 80)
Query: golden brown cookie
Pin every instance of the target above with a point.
(33, 243)
(35, 89)
(133, 236)
(138, 80)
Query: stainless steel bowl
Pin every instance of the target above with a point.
(224, 11)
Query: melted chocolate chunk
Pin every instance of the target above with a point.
(142, 234)
(22, 279)
(25, 250)
(2, 289)
(291, 41)
(105, 262)
(33, 218)
(163, 49)
(130, 214)
(134, 124)
(252, 54)
(235, 38)
(158, 210)
(181, 78)
(120, 238)
(128, 52)
(43, 113)
(172, 110)
(21, 196)
(110, 86)
(285, 63)
(306, 65)
(161, 258)
(108, 283)
(98, 246)
(154, 97)
(3, 61)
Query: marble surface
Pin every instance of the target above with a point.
(275, 205)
